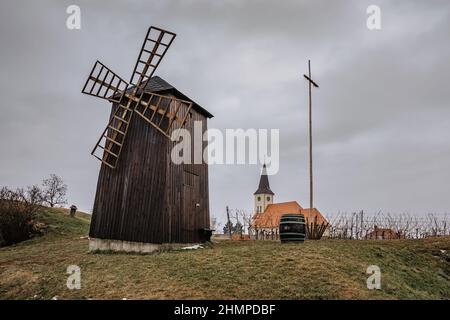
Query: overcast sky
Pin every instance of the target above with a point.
(381, 115)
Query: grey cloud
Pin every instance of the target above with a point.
(380, 116)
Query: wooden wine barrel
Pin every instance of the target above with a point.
(292, 227)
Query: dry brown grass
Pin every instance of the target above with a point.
(333, 269)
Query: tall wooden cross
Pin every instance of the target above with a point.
(310, 82)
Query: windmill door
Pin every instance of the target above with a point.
(191, 206)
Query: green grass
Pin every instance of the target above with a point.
(328, 269)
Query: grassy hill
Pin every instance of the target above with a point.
(329, 269)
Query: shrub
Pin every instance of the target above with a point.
(17, 214)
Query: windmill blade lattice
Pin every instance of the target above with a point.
(104, 83)
(155, 46)
(159, 111)
(162, 111)
(109, 146)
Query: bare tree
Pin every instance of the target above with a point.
(247, 220)
(54, 190)
(229, 225)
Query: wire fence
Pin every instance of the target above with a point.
(364, 226)
(359, 226)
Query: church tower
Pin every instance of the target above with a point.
(263, 196)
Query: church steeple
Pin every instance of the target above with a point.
(264, 186)
(263, 195)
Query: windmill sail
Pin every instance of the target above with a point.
(104, 83)
(155, 46)
(162, 111)
(110, 144)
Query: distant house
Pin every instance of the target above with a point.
(384, 234)
(267, 215)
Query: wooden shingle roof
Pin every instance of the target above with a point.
(159, 85)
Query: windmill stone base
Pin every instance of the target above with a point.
(131, 246)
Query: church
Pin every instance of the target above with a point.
(267, 214)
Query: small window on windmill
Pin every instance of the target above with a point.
(189, 178)
(268, 198)
(259, 198)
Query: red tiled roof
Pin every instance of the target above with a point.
(313, 216)
(270, 218)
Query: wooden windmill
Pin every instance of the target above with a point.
(153, 108)
(142, 198)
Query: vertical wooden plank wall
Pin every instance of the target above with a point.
(189, 187)
(147, 198)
